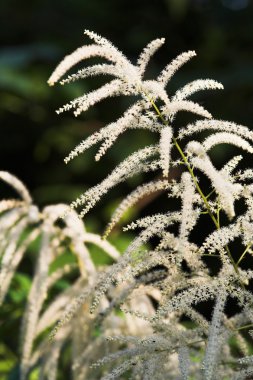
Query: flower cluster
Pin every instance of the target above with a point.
(175, 265)
(148, 303)
(62, 256)
(179, 289)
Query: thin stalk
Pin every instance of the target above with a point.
(244, 327)
(211, 192)
(218, 215)
(244, 253)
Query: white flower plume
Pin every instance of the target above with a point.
(128, 81)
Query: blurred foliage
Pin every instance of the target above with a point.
(35, 35)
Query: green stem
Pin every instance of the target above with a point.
(244, 327)
(244, 253)
(211, 192)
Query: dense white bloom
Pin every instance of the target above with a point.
(134, 164)
(17, 185)
(188, 214)
(195, 86)
(148, 52)
(133, 198)
(215, 337)
(216, 125)
(172, 67)
(165, 148)
(228, 138)
(184, 362)
(185, 105)
(226, 190)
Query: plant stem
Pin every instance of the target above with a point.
(244, 327)
(244, 253)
